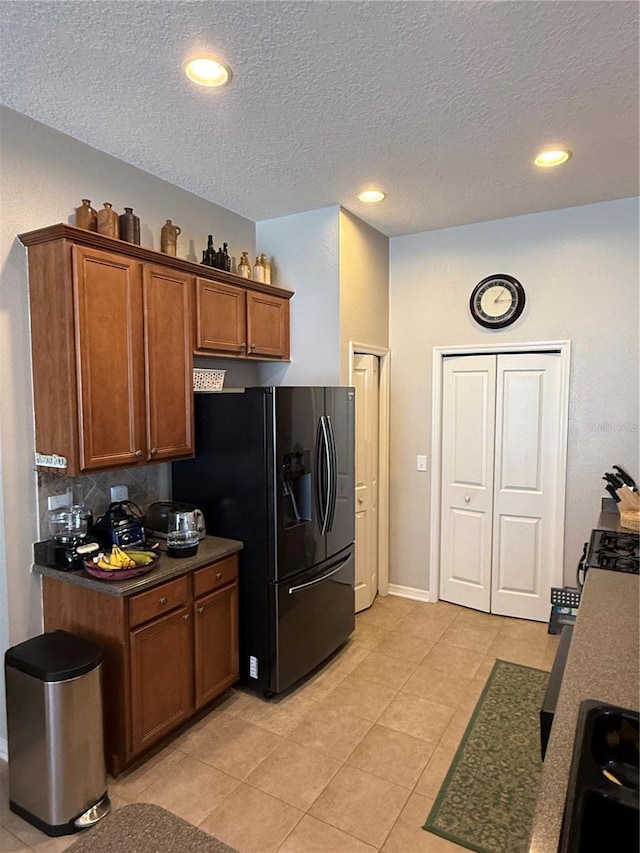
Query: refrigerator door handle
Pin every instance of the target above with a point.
(334, 474)
(333, 571)
(327, 459)
(320, 498)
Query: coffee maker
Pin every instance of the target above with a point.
(70, 542)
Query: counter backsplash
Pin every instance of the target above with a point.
(146, 484)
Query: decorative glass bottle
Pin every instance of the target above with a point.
(86, 217)
(129, 226)
(258, 271)
(211, 252)
(267, 268)
(169, 238)
(108, 221)
(244, 267)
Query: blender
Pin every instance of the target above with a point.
(70, 543)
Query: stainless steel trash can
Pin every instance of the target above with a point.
(57, 773)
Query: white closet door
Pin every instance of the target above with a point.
(527, 558)
(468, 420)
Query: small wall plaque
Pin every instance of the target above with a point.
(51, 460)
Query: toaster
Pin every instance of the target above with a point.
(156, 518)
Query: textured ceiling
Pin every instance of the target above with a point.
(443, 104)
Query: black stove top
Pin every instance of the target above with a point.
(615, 550)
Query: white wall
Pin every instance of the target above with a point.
(579, 268)
(364, 287)
(44, 175)
(304, 251)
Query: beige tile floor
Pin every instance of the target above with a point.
(351, 761)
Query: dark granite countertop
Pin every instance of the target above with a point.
(603, 664)
(210, 549)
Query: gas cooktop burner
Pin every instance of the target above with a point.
(614, 550)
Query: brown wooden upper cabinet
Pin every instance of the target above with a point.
(112, 355)
(112, 330)
(237, 321)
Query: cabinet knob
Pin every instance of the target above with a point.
(200, 609)
(162, 599)
(186, 617)
(154, 450)
(138, 453)
(467, 499)
(252, 347)
(218, 575)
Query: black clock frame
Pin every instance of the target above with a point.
(498, 323)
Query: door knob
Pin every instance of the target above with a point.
(360, 499)
(138, 453)
(186, 618)
(467, 499)
(200, 609)
(162, 599)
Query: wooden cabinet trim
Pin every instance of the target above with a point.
(109, 244)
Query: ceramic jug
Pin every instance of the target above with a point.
(129, 226)
(169, 237)
(86, 217)
(108, 221)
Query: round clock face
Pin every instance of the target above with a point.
(497, 301)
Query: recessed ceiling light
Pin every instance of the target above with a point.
(552, 157)
(207, 72)
(371, 196)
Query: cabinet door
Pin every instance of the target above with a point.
(267, 325)
(108, 332)
(216, 643)
(220, 318)
(161, 677)
(169, 362)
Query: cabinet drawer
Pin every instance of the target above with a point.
(161, 599)
(212, 577)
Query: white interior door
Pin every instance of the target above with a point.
(468, 412)
(525, 556)
(365, 380)
(501, 416)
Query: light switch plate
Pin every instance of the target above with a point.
(119, 493)
(421, 463)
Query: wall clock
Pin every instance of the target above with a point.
(497, 301)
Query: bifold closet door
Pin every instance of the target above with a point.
(501, 418)
(468, 437)
(526, 560)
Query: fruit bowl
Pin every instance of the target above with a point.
(120, 574)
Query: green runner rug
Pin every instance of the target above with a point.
(487, 800)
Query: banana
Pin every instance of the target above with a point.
(141, 558)
(119, 559)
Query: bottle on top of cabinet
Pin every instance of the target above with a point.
(244, 267)
(266, 267)
(169, 238)
(258, 270)
(129, 226)
(108, 221)
(211, 252)
(86, 216)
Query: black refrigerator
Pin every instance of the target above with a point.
(274, 467)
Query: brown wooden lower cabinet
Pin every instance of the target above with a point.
(168, 651)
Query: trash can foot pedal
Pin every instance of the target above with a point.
(94, 814)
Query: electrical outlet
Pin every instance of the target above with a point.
(119, 493)
(421, 463)
(57, 501)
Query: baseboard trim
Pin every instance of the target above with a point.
(410, 592)
(4, 749)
